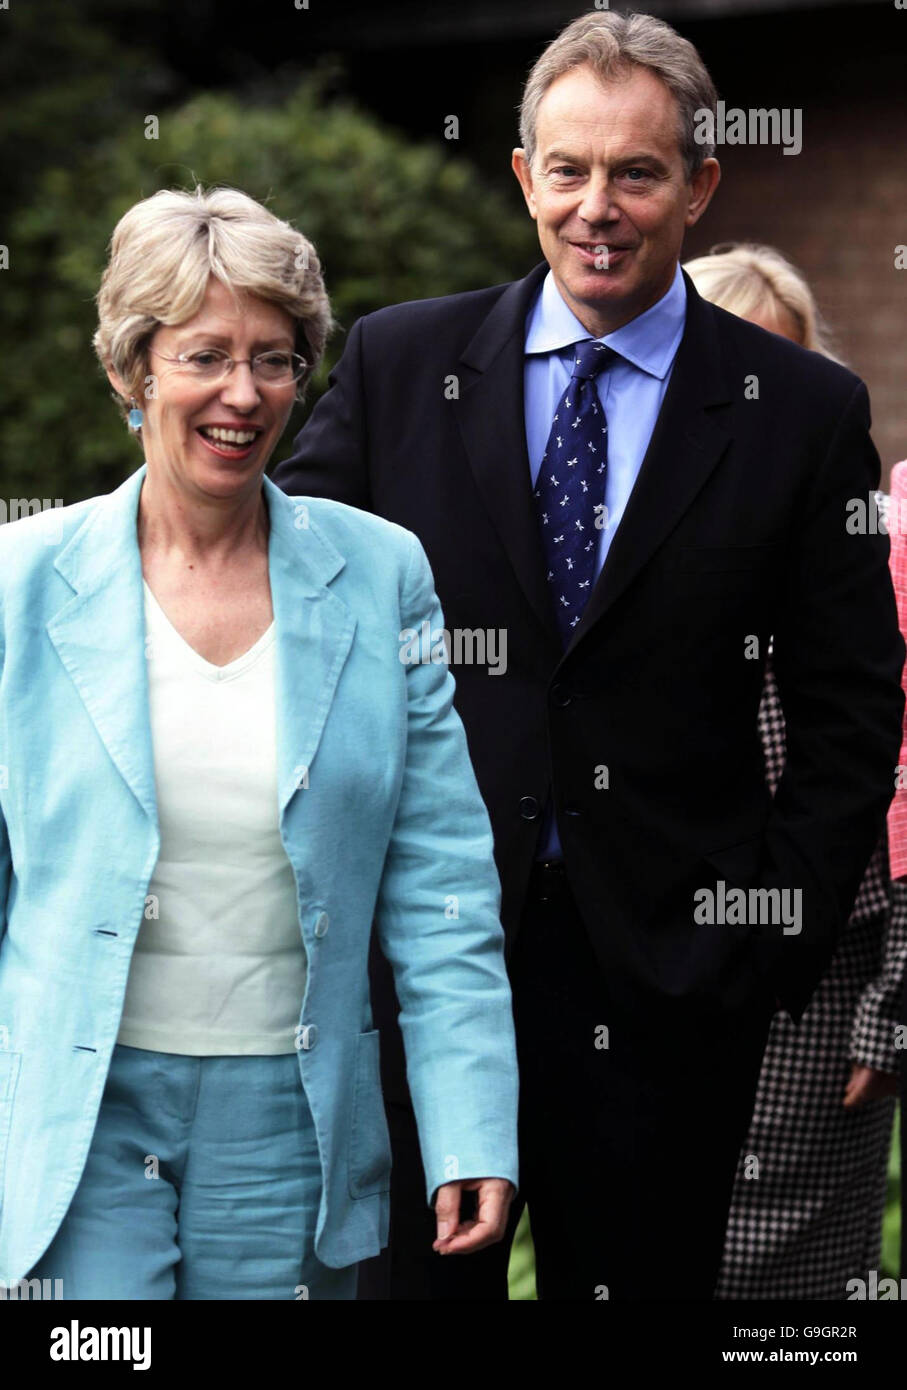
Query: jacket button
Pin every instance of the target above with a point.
(321, 924)
(529, 807)
(560, 695)
(308, 1036)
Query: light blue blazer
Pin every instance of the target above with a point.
(380, 815)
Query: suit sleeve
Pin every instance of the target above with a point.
(873, 1034)
(439, 927)
(838, 658)
(330, 457)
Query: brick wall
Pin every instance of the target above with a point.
(837, 210)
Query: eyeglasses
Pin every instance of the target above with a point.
(213, 364)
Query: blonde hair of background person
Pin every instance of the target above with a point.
(758, 283)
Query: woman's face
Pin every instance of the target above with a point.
(178, 420)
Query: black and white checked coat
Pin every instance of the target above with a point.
(812, 1218)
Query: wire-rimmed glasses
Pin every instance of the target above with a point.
(274, 368)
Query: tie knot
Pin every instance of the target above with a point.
(590, 358)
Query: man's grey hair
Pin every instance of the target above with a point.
(613, 44)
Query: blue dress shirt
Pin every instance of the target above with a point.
(631, 392)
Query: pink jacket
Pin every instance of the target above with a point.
(897, 813)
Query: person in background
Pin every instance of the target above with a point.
(897, 812)
(809, 1194)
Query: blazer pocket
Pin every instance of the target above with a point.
(738, 863)
(10, 1063)
(370, 1146)
(724, 568)
(699, 559)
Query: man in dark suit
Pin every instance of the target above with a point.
(636, 490)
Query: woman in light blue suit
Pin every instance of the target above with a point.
(220, 760)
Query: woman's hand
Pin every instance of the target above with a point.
(492, 1205)
(866, 1083)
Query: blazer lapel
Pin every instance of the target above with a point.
(314, 634)
(491, 419)
(686, 445)
(99, 634)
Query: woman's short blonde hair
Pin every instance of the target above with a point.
(746, 278)
(163, 251)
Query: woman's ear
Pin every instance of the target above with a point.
(116, 382)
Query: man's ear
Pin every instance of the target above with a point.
(703, 185)
(520, 167)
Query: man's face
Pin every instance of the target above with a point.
(608, 173)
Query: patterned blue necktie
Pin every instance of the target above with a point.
(570, 488)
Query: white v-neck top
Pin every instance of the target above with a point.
(219, 965)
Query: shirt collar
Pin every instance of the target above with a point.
(649, 341)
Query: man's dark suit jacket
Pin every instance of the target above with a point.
(735, 533)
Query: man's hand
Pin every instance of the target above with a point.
(456, 1237)
(866, 1083)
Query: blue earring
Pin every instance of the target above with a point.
(136, 417)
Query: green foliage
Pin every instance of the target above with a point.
(391, 220)
(891, 1229)
(66, 80)
(521, 1272)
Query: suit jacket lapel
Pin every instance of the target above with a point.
(491, 419)
(314, 630)
(98, 634)
(686, 445)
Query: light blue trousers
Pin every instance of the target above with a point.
(202, 1182)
